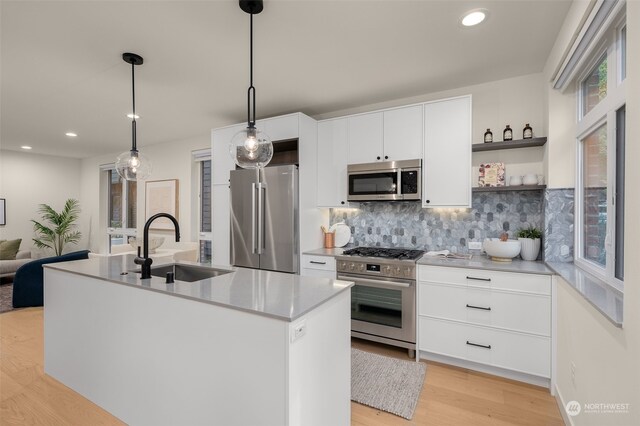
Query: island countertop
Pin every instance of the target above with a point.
(273, 294)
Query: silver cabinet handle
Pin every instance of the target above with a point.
(317, 263)
(478, 345)
(478, 279)
(488, 308)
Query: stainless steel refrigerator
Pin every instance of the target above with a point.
(264, 218)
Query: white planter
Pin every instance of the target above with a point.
(529, 248)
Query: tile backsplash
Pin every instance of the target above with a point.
(407, 224)
(558, 225)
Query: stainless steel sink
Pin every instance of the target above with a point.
(188, 273)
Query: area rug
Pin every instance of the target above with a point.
(388, 384)
(6, 293)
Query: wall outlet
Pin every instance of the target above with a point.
(297, 331)
(475, 245)
(573, 374)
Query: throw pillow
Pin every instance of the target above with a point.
(9, 249)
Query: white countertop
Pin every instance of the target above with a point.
(335, 251)
(483, 262)
(277, 295)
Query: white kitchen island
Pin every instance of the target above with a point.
(245, 348)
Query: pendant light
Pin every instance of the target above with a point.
(251, 148)
(132, 165)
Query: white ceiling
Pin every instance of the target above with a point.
(62, 70)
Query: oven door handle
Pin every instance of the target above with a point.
(376, 283)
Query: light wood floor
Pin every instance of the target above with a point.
(451, 396)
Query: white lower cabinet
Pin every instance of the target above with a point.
(318, 266)
(490, 318)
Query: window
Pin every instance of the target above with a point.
(203, 166)
(122, 202)
(623, 52)
(600, 184)
(594, 87)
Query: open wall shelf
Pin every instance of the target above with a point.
(520, 143)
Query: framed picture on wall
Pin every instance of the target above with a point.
(161, 196)
(3, 211)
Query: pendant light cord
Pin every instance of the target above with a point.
(133, 123)
(251, 93)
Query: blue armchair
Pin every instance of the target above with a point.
(28, 283)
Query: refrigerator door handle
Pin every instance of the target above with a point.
(259, 218)
(254, 218)
(263, 217)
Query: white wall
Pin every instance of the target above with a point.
(28, 180)
(170, 161)
(514, 101)
(606, 357)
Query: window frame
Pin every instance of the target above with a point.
(126, 230)
(604, 112)
(199, 158)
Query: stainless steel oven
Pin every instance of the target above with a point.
(383, 299)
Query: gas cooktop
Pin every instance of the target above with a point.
(386, 253)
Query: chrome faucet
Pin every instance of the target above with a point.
(145, 261)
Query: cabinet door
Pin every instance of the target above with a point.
(332, 163)
(447, 153)
(281, 128)
(221, 161)
(221, 221)
(365, 138)
(403, 133)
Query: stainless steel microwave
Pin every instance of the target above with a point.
(386, 180)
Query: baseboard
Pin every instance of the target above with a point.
(568, 420)
(483, 368)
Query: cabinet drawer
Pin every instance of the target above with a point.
(326, 263)
(514, 351)
(528, 283)
(529, 313)
(320, 273)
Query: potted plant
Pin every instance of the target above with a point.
(530, 243)
(61, 229)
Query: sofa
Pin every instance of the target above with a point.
(28, 283)
(8, 268)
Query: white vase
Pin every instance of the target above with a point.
(529, 248)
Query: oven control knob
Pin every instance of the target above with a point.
(361, 268)
(407, 272)
(398, 272)
(385, 270)
(352, 266)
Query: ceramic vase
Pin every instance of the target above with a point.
(530, 248)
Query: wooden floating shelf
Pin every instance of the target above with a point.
(520, 143)
(508, 188)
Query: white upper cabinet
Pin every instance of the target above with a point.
(281, 128)
(403, 133)
(390, 135)
(332, 163)
(221, 161)
(446, 168)
(365, 138)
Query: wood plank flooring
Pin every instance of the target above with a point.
(451, 396)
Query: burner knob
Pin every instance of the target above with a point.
(361, 267)
(352, 266)
(407, 272)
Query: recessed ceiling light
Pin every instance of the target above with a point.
(71, 134)
(132, 116)
(473, 17)
(25, 147)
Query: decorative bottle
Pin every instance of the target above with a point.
(488, 136)
(507, 134)
(527, 132)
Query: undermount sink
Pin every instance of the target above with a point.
(187, 273)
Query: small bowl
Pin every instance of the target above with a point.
(154, 243)
(501, 251)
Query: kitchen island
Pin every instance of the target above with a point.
(245, 347)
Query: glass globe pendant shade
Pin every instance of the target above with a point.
(251, 148)
(131, 165)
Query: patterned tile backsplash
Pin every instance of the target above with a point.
(558, 225)
(407, 224)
